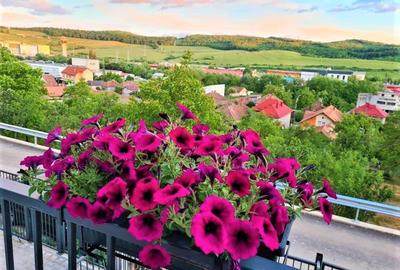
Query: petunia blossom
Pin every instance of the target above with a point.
(259, 209)
(238, 182)
(84, 158)
(48, 158)
(170, 193)
(186, 113)
(327, 188)
(253, 142)
(142, 196)
(284, 168)
(78, 207)
(209, 146)
(268, 191)
(147, 142)
(113, 192)
(188, 178)
(145, 227)
(98, 213)
(114, 127)
(92, 120)
(280, 218)
(102, 141)
(161, 125)
(32, 161)
(267, 232)
(182, 138)
(210, 172)
(219, 207)
(306, 191)
(53, 135)
(154, 256)
(121, 150)
(242, 239)
(58, 195)
(326, 209)
(200, 129)
(208, 233)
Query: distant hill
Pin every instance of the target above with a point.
(358, 49)
(339, 49)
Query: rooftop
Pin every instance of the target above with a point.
(234, 72)
(331, 112)
(73, 70)
(273, 107)
(370, 110)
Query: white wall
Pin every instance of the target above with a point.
(218, 88)
(307, 75)
(92, 64)
(52, 69)
(285, 121)
(385, 100)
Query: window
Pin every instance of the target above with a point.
(381, 102)
(382, 95)
(391, 103)
(337, 76)
(344, 77)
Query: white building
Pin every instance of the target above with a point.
(91, 64)
(217, 88)
(343, 75)
(51, 68)
(387, 100)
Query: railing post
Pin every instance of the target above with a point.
(28, 224)
(110, 252)
(35, 140)
(59, 233)
(37, 239)
(319, 265)
(8, 247)
(357, 215)
(71, 231)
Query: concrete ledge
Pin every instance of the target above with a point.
(37, 146)
(359, 224)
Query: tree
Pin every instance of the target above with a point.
(187, 57)
(390, 147)
(110, 77)
(263, 125)
(279, 92)
(304, 98)
(181, 86)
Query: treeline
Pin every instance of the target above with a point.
(121, 36)
(340, 49)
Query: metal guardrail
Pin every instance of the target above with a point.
(358, 204)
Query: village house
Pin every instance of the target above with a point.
(77, 73)
(387, 100)
(233, 109)
(129, 87)
(372, 111)
(217, 88)
(54, 90)
(51, 68)
(234, 72)
(324, 120)
(91, 64)
(239, 91)
(275, 108)
(109, 85)
(343, 75)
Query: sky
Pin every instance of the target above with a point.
(318, 20)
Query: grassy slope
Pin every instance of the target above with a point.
(201, 54)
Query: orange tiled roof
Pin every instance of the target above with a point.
(55, 91)
(73, 70)
(331, 112)
(49, 80)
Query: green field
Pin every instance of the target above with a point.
(201, 55)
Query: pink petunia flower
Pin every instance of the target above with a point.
(238, 182)
(259, 209)
(68, 141)
(104, 166)
(188, 179)
(145, 227)
(58, 195)
(84, 158)
(209, 146)
(182, 138)
(268, 191)
(48, 158)
(327, 188)
(279, 217)
(147, 142)
(219, 207)
(210, 172)
(242, 240)
(102, 141)
(98, 213)
(253, 142)
(267, 232)
(306, 191)
(78, 207)
(161, 125)
(284, 168)
(113, 192)
(121, 150)
(53, 135)
(142, 196)
(186, 113)
(154, 256)
(326, 209)
(208, 233)
(114, 127)
(32, 161)
(92, 120)
(170, 193)
(200, 129)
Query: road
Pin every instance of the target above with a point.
(345, 245)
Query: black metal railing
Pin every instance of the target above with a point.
(89, 246)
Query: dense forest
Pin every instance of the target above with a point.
(339, 49)
(121, 36)
(359, 49)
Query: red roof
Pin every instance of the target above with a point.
(49, 80)
(392, 87)
(110, 84)
(131, 86)
(331, 112)
(55, 91)
(73, 70)
(234, 72)
(370, 110)
(273, 107)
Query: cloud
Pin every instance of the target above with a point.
(377, 6)
(37, 7)
(304, 10)
(166, 3)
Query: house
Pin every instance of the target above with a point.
(233, 72)
(77, 73)
(218, 88)
(95, 84)
(130, 87)
(284, 73)
(91, 64)
(371, 110)
(49, 80)
(233, 109)
(54, 90)
(273, 107)
(110, 85)
(343, 75)
(387, 100)
(238, 91)
(324, 120)
(51, 68)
